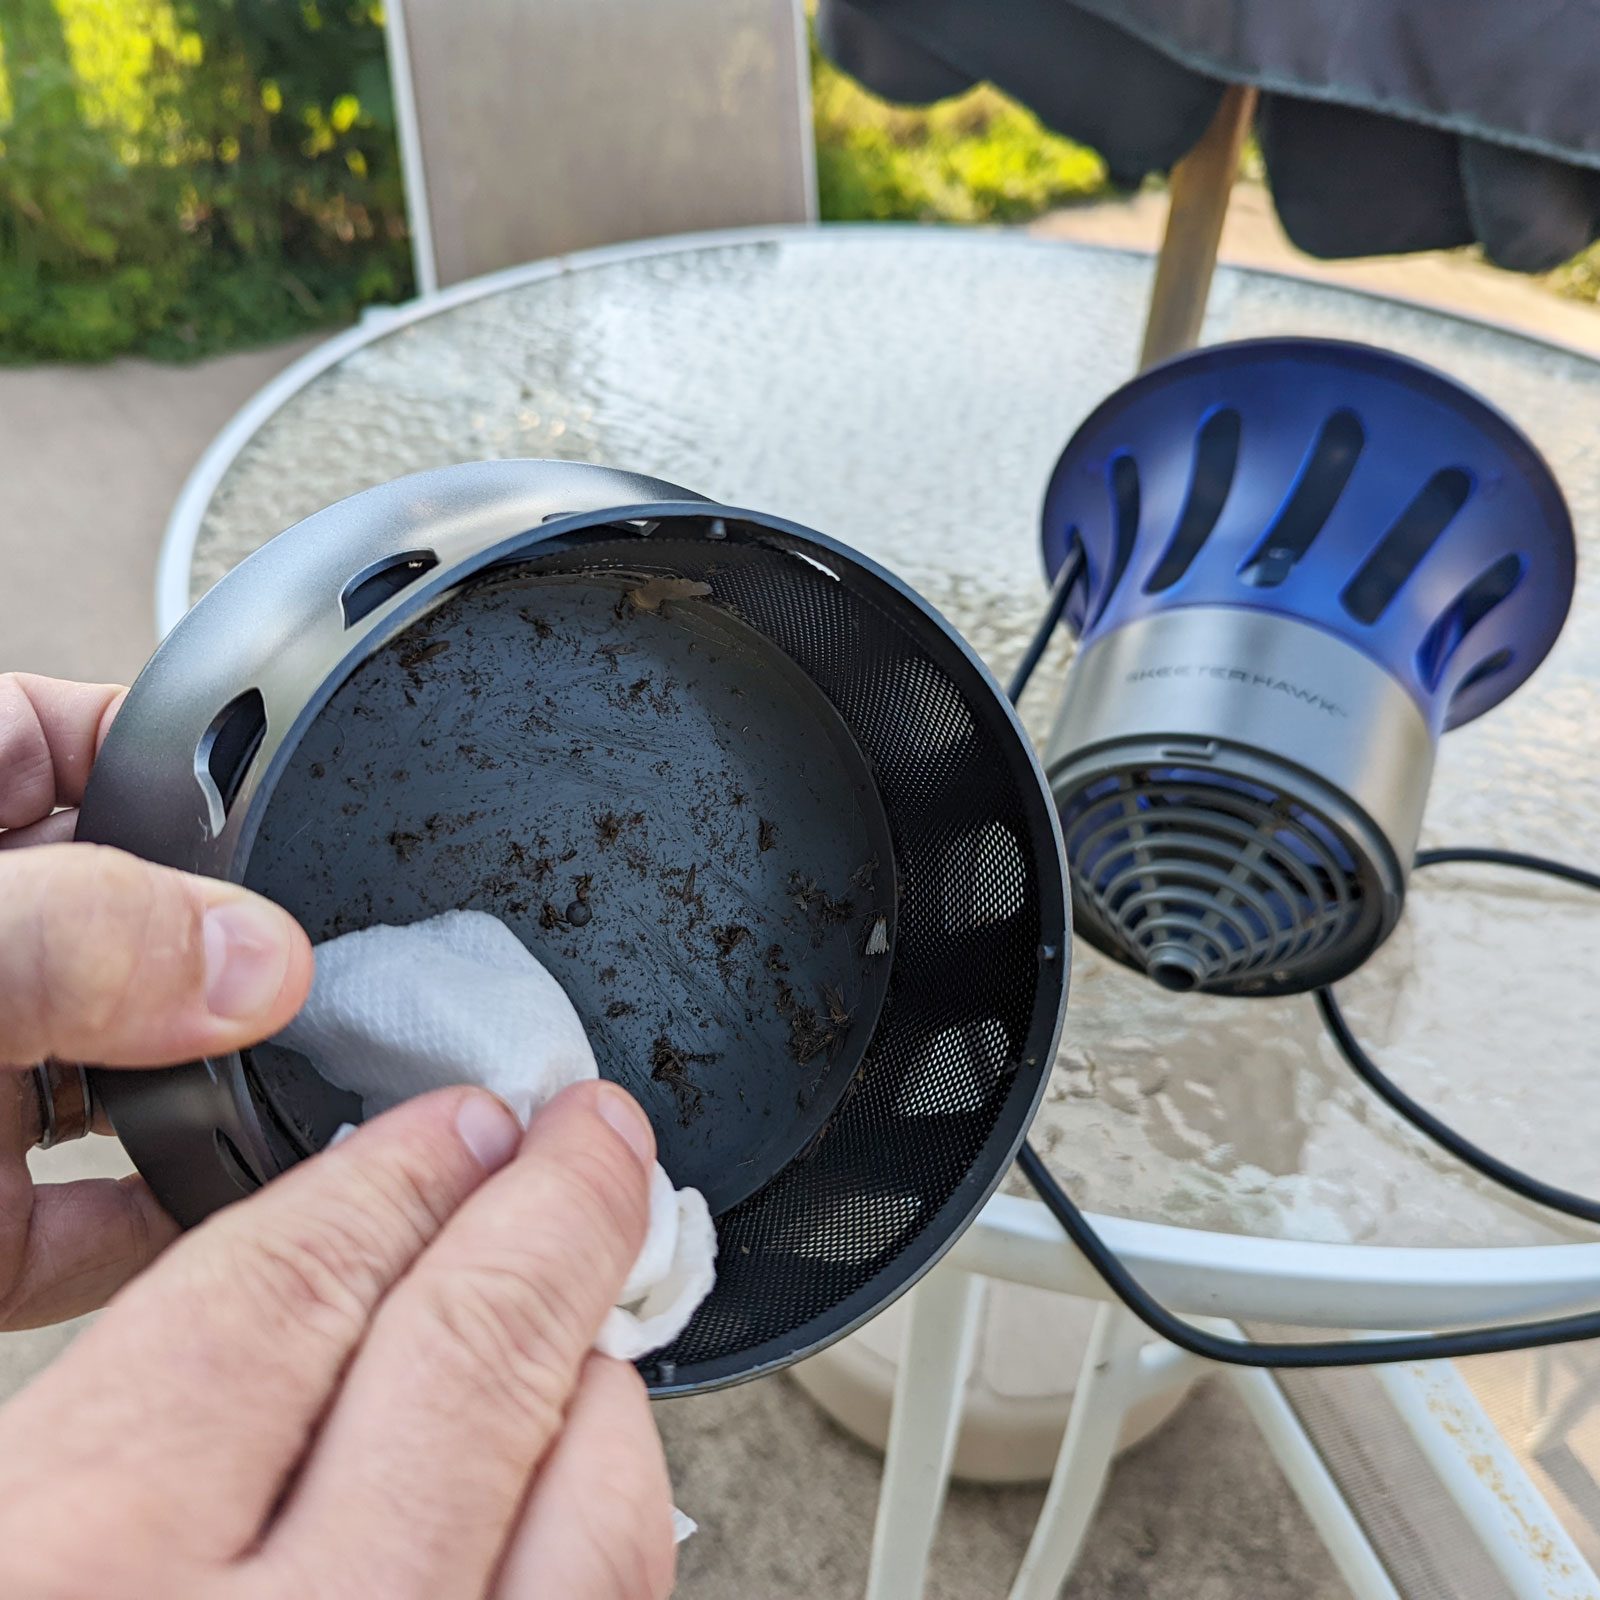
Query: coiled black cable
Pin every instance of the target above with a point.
(1351, 1352)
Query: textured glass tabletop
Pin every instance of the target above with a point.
(907, 391)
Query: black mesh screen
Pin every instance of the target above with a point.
(956, 1063)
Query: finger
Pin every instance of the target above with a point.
(58, 828)
(460, 1387)
(202, 1383)
(78, 1243)
(64, 1248)
(110, 959)
(598, 1525)
(50, 733)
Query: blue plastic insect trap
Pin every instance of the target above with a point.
(1291, 565)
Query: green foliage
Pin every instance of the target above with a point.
(178, 176)
(978, 157)
(1579, 279)
(183, 176)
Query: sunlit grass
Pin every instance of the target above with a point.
(978, 157)
(1579, 279)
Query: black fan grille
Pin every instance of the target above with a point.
(1209, 881)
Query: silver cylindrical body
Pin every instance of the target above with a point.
(1241, 795)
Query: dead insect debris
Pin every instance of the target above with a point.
(670, 1065)
(579, 913)
(810, 1032)
(816, 902)
(653, 594)
(609, 827)
(428, 652)
(838, 1014)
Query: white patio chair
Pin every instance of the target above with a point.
(530, 128)
(1411, 1488)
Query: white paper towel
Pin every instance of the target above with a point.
(396, 1011)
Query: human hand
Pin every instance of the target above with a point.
(374, 1377)
(110, 960)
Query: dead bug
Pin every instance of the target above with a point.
(838, 1014)
(415, 658)
(652, 595)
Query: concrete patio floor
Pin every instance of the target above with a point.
(91, 460)
(90, 463)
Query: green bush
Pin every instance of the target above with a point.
(1579, 279)
(180, 176)
(978, 157)
(183, 176)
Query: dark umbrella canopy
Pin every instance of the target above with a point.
(1386, 126)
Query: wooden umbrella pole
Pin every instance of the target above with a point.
(1200, 186)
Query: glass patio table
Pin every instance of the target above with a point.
(907, 390)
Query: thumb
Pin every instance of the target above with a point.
(108, 959)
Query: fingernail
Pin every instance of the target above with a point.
(247, 957)
(488, 1130)
(622, 1111)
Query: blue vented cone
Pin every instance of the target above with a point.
(1303, 561)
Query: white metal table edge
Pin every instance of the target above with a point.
(1302, 1283)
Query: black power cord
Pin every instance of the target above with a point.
(1423, 1120)
(1249, 1353)
(1352, 1352)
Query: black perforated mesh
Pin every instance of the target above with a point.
(954, 1068)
